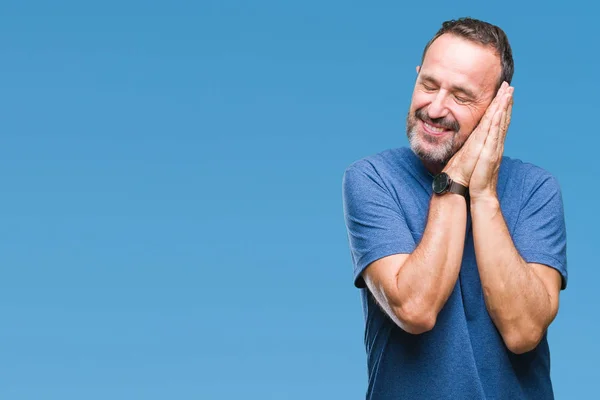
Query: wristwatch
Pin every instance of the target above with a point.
(442, 183)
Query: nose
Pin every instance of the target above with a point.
(437, 108)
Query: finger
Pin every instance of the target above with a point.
(501, 138)
(496, 126)
(510, 105)
(506, 106)
(490, 147)
(505, 122)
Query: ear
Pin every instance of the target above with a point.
(418, 69)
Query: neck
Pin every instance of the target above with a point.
(433, 168)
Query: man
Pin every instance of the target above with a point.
(460, 253)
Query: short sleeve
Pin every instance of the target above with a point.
(540, 234)
(374, 220)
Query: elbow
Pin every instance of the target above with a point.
(415, 320)
(523, 342)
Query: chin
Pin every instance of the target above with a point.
(439, 152)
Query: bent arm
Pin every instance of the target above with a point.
(413, 288)
(521, 297)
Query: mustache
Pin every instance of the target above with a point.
(443, 122)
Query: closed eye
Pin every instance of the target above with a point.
(461, 100)
(427, 87)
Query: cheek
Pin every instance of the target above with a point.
(419, 100)
(467, 120)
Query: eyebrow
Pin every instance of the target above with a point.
(455, 88)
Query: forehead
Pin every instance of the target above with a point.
(456, 61)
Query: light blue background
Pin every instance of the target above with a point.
(171, 187)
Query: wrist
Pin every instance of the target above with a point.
(485, 202)
(443, 184)
(456, 176)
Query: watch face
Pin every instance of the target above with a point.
(440, 183)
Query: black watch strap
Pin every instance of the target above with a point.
(457, 188)
(443, 183)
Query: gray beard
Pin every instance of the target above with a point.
(441, 153)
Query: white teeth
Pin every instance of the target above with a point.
(433, 128)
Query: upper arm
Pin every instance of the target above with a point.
(379, 236)
(540, 234)
(375, 222)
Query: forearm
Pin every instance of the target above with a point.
(515, 296)
(426, 279)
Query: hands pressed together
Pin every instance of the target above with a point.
(477, 163)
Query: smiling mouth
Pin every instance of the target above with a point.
(434, 130)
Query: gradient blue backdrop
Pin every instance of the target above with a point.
(171, 187)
